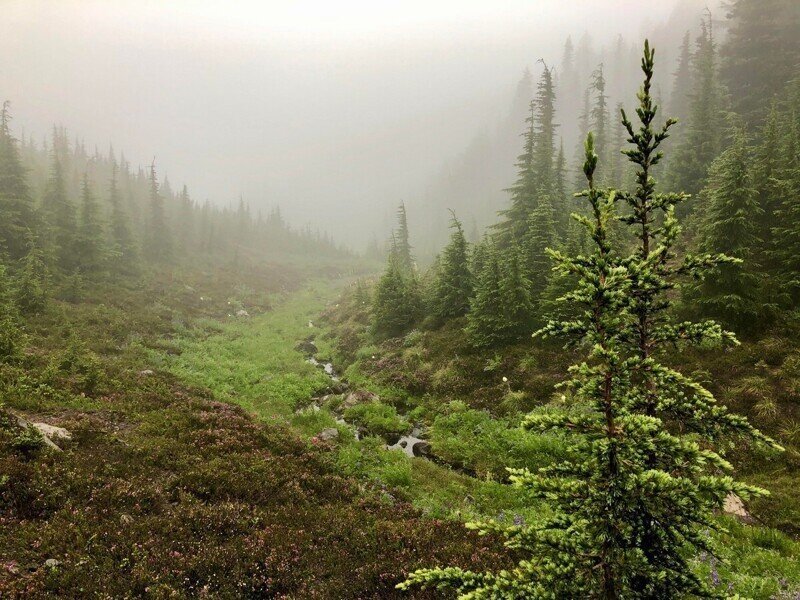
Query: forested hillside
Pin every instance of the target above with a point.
(591, 389)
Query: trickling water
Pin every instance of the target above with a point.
(407, 442)
(326, 366)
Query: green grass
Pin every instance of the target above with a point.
(252, 362)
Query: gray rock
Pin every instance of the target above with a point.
(242, 313)
(359, 397)
(307, 346)
(328, 434)
(52, 563)
(146, 372)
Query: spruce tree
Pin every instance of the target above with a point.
(541, 235)
(599, 119)
(632, 503)
(17, 214)
(61, 215)
(730, 293)
(32, 281)
(402, 241)
(90, 243)
(159, 246)
(486, 319)
(123, 248)
(703, 140)
(397, 305)
(453, 285)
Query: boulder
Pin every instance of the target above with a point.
(52, 563)
(328, 434)
(52, 432)
(146, 372)
(242, 313)
(422, 449)
(359, 397)
(307, 346)
(735, 507)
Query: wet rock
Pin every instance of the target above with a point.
(307, 346)
(328, 434)
(359, 397)
(394, 439)
(422, 449)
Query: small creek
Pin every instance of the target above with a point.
(405, 444)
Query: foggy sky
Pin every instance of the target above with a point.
(334, 110)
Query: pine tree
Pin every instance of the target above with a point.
(453, 285)
(760, 54)
(485, 320)
(32, 285)
(123, 252)
(730, 293)
(159, 246)
(636, 494)
(90, 242)
(61, 214)
(705, 128)
(397, 305)
(403, 246)
(17, 214)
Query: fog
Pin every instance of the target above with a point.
(334, 111)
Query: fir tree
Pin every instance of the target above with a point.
(635, 496)
(159, 247)
(61, 214)
(403, 245)
(16, 207)
(90, 242)
(705, 129)
(730, 292)
(599, 117)
(485, 320)
(32, 286)
(397, 305)
(541, 235)
(453, 284)
(123, 248)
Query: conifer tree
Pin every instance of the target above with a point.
(453, 284)
(123, 247)
(397, 305)
(515, 294)
(486, 320)
(599, 118)
(159, 247)
(513, 220)
(61, 215)
(730, 293)
(703, 140)
(402, 242)
(633, 500)
(540, 236)
(32, 285)
(90, 242)
(10, 333)
(16, 207)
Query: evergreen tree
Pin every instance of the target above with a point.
(16, 207)
(159, 247)
(123, 248)
(682, 81)
(599, 118)
(635, 496)
(402, 248)
(397, 305)
(705, 128)
(540, 236)
(33, 282)
(10, 333)
(761, 53)
(61, 214)
(730, 292)
(486, 319)
(90, 242)
(453, 284)
(516, 298)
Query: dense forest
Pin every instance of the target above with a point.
(592, 391)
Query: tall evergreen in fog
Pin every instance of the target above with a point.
(730, 292)
(453, 285)
(160, 244)
(402, 242)
(122, 245)
(60, 213)
(16, 205)
(90, 244)
(761, 53)
(634, 499)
